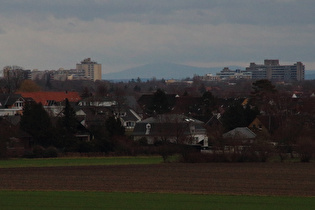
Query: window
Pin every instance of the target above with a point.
(18, 104)
(130, 124)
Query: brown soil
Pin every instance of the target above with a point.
(294, 179)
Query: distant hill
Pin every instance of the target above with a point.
(172, 71)
(159, 71)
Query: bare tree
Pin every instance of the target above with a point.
(306, 147)
(13, 76)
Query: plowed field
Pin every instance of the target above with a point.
(294, 179)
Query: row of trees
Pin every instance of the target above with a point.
(290, 122)
(289, 128)
(61, 132)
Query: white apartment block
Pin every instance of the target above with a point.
(92, 69)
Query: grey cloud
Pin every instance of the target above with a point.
(273, 13)
(2, 31)
(178, 31)
(88, 10)
(265, 12)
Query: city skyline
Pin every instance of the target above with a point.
(124, 34)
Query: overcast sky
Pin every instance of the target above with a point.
(120, 34)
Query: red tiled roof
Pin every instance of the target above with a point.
(43, 97)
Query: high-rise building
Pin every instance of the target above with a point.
(272, 70)
(92, 69)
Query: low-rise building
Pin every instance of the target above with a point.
(228, 74)
(172, 128)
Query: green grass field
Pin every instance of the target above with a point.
(117, 200)
(80, 161)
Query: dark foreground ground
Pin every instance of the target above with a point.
(293, 179)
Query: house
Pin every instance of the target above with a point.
(53, 102)
(90, 116)
(80, 132)
(263, 124)
(97, 101)
(258, 126)
(173, 128)
(11, 104)
(129, 120)
(238, 139)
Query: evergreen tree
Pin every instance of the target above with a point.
(114, 127)
(68, 120)
(66, 129)
(160, 103)
(250, 114)
(262, 90)
(105, 135)
(234, 117)
(26, 117)
(266, 97)
(101, 141)
(208, 102)
(36, 121)
(263, 86)
(138, 80)
(3, 141)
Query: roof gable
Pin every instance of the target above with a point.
(240, 133)
(9, 99)
(171, 118)
(167, 124)
(131, 115)
(267, 123)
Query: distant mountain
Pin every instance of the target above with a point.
(310, 74)
(159, 71)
